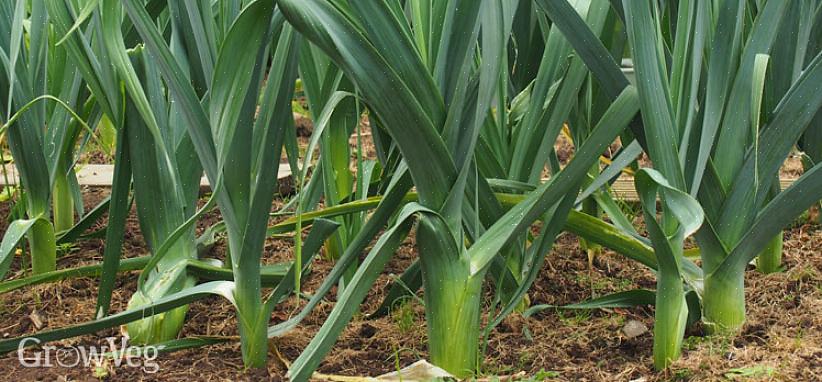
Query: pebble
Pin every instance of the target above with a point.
(634, 328)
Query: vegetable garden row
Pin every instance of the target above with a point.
(465, 101)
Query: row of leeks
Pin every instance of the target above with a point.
(465, 100)
(430, 90)
(712, 173)
(173, 125)
(722, 163)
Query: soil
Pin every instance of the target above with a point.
(782, 339)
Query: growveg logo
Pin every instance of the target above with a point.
(113, 353)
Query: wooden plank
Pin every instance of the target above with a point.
(624, 189)
(101, 175)
(97, 175)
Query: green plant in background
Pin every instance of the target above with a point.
(517, 143)
(592, 101)
(42, 130)
(325, 87)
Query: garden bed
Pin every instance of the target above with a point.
(782, 339)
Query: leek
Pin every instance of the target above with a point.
(719, 161)
(237, 150)
(42, 127)
(432, 103)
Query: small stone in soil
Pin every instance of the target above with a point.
(634, 328)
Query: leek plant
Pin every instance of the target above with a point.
(176, 94)
(324, 84)
(238, 151)
(164, 157)
(668, 235)
(155, 150)
(38, 102)
(165, 197)
(429, 74)
(706, 143)
(517, 145)
(735, 177)
(515, 142)
(811, 142)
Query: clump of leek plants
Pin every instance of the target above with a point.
(465, 99)
(430, 76)
(174, 98)
(37, 106)
(706, 144)
(238, 152)
(154, 148)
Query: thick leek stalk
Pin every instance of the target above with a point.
(252, 317)
(452, 300)
(43, 247)
(723, 301)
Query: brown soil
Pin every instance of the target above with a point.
(782, 340)
(95, 156)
